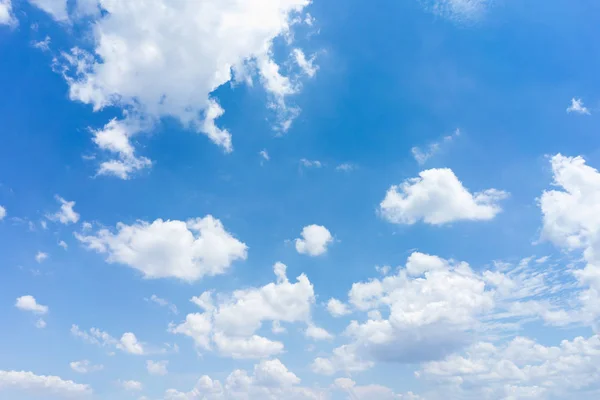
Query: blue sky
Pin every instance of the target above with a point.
(296, 200)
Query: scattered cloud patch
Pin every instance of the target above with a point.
(437, 197)
(2, 213)
(186, 250)
(41, 257)
(49, 385)
(29, 303)
(345, 167)
(85, 367)
(131, 386)
(127, 344)
(314, 240)
(6, 14)
(157, 367)
(336, 308)
(310, 163)
(577, 107)
(66, 215)
(307, 65)
(421, 156)
(163, 303)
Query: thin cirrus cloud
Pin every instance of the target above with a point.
(437, 197)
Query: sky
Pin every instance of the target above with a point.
(295, 199)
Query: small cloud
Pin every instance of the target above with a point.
(157, 367)
(44, 224)
(577, 107)
(131, 385)
(421, 156)
(40, 324)
(41, 256)
(63, 244)
(264, 155)
(43, 45)
(66, 214)
(2, 213)
(310, 163)
(307, 65)
(345, 167)
(314, 241)
(163, 303)
(29, 303)
(84, 367)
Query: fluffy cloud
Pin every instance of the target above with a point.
(128, 342)
(316, 333)
(135, 49)
(230, 325)
(66, 215)
(85, 366)
(6, 15)
(170, 249)
(270, 380)
(433, 307)
(115, 138)
(56, 8)
(314, 241)
(367, 392)
(437, 197)
(521, 368)
(41, 384)
(577, 107)
(29, 303)
(336, 308)
(157, 367)
(2, 213)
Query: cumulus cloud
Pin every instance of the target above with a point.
(433, 307)
(336, 308)
(437, 197)
(135, 49)
(367, 392)
(577, 107)
(29, 303)
(186, 250)
(157, 367)
(6, 14)
(316, 333)
(41, 384)
(270, 380)
(230, 325)
(2, 213)
(520, 368)
(128, 342)
(66, 215)
(85, 366)
(315, 240)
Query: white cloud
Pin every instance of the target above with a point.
(2, 213)
(316, 333)
(367, 392)
(6, 15)
(521, 368)
(170, 249)
(63, 244)
(56, 8)
(157, 367)
(163, 303)
(41, 256)
(460, 10)
(135, 49)
(433, 307)
(40, 324)
(115, 138)
(336, 308)
(345, 167)
(43, 45)
(132, 386)
(85, 367)
(307, 65)
(66, 215)
(41, 384)
(437, 197)
(230, 325)
(314, 241)
(577, 107)
(29, 303)
(270, 380)
(421, 156)
(128, 342)
(264, 155)
(310, 163)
